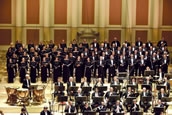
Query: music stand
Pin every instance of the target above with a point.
(73, 88)
(166, 99)
(146, 86)
(158, 109)
(62, 99)
(137, 113)
(59, 88)
(86, 89)
(102, 88)
(114, 98)
(122, 74)
(118, 87)
(148, 72)
(81, 98)
(97, 99)
(158, 87)
(104, 113)
(89, 113)
(146, 98)
(132, 86)
(129, 100)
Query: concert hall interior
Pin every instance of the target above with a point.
(85, 57)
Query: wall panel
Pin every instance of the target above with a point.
(143, 34)
(115, 10)
(5, 11)
(167, 36)
(33, 9)
(114, 33)
(88, 11)
(142, 9)
(60, 16)
(5, 36)
(60, 35)
(33, 35)
(167, 15)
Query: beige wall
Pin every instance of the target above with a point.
(103, 14)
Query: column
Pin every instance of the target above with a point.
(19, 19)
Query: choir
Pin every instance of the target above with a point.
(95, 60)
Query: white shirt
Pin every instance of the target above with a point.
(71, 84)
(46, 113)
(112, 62)
(27, 82)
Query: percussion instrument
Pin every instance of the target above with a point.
(23, 96)
(38, 94)
(12, 95)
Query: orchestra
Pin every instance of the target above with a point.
(95, 66)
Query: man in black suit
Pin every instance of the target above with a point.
(144, 104)
(162, 42)
(26, 82)
(142, 67)
(116, 42)
(101, 68)
(45, 111)
(167, 84)
(139, 42)
(95, 44)
(96, 94)
(71, 83)
(79, 104)
(117, 108)
(131, 63)
(59, 84)
(162, 94)
(101, 107)
(70, 108)
(86, 108)
(106, 44)
(112, 66)
(107, 96)
(134, 106)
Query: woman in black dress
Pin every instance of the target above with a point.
(44, 69)
(78, 72)
(66, 70)
(33, 65)
(57, 70)
(23, 70)
(71, 67)
(11, 71)
(88, 66)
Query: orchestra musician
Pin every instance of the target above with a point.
(86, 108)
(60, 84)
(70, 108)
(117, 108)
(71, 83)
(134, 106)
(144, 104)
(101, 107)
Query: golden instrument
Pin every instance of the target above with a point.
(11, 92)
(23, 96)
